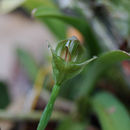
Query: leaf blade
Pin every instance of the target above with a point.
(111, 112)
(54, 25)
(79, 23)
(101, 64)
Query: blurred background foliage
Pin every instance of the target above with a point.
(98, 98)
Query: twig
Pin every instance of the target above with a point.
(31, 116)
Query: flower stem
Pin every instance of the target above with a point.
(48, 110)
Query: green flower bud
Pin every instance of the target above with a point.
(68, 59)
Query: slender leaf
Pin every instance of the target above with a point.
(79, 23)
(111, 112)
(101, 64)
(53, 13)
(57, 27)
(31, 4)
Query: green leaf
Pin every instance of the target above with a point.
(79, 23)
(57, 27)
(53, 13)
(31, 4)
(111, 112)
(28, 62)
(99, 67)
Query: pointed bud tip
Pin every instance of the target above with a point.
(33, 12)
(50, 49)
(95, 57)
(49, 45)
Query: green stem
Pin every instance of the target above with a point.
(48, 110)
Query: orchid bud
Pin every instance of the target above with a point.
(68, 59)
